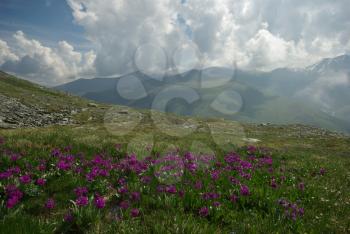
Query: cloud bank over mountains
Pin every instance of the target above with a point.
(160, 36)
(34, 61)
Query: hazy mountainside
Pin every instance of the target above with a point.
(324, 85)
(82, 86)
(317, 95)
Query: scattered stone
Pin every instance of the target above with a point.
(14, 114)
(124, 112)
(73, 112)
(91, 104)
(251, 140)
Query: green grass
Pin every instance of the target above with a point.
(301, 151)
(326, 201)
(31, 94)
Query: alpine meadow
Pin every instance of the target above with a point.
(174, 116)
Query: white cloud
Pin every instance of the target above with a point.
(45, 65)
(5, 53)
(258, 34)
(267, 51)
(119, 28)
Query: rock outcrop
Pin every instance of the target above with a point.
(14, 114)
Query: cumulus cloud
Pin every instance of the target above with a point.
(6, 53)
(50, 66)
(267, 51)
(119, 28)
(256, 34)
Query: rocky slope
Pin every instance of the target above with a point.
(24, 104)
(15, 114)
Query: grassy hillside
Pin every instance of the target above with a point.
(32, 94)
(291, 179)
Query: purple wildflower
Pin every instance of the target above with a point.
(171, 189)
(78, 170)
(14, 170)
(251, 149)
(210, 196)
(42, 167)
(99, 202)
(63, 165)
(80, 191)
(246, 165)
(233, 198)
(301, 211)
(291, 210)
(14, 195)
(10, 188)
(204, 211)
(68, 217)
(90, 177)
(244, 190)
(135, 196)
(322, 171)
(68, 148)
(14, 157)
(215, 175)
(82, 201)
(181, 194)
(124, 204)
(234, 180)
(232, 158)
(123, 190)
(216, 204)
(273, 183)
(301, 186)
(192, 167)
(283, 178)
(25, 179)
(198, 185)
(122, 181)
(41, 181)
(5, 175)
(12, 201)
(160, 188)
(146, 179)
(266, 161)
(50, 204)
(55, 152)
(246, 176)
(135, 212)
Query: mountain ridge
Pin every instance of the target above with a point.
(279, 89)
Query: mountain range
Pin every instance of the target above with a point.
(317, 95)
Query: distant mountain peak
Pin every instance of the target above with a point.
(337, 64)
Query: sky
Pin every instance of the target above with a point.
(56, 41)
